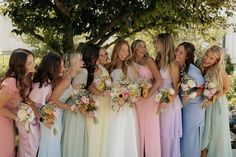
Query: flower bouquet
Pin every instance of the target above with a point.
(48, 115)
(103, 83)
(209, 92)
(25, 114)
(164, 96)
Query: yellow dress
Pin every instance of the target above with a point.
(97, 133)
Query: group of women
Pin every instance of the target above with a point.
(183, 127)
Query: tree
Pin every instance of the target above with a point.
(58, 22)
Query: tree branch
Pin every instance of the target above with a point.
(107, 36)
(111, 25)
(62, 9)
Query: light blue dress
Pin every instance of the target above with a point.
(50, 146)
(193, 119)
(74, 137)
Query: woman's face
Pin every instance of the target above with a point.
(62, 68)
(80, 62)
(30, 64)
(158, 46)
(124, 52)
(103, 57)
(180, 54)
(209, 59)
(141, 50)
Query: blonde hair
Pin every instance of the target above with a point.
(135, 45)
(216, 71)
(168, 48)
(70, 60)
(114, 56)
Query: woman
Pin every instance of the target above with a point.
(51, 146)
(15, 88)
(170, 117)
(95, 59)
(216, 135)
(193, 114)
(149, 126)
(122, 140)
(44, 78)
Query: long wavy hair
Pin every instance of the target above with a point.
(167, 53)
(90, 56)
(48, 70)
(16, 69)
(114, 56)
(134, 46)
(189, 49)
(216, 71)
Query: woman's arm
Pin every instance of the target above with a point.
(174, 73)
(5, 96)
(156, 75)
(58, 91)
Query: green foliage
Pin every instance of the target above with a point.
(57, 23)
(229, 66)
(231, 95)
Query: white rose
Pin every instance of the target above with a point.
(158, 97)
(171, 91)
(191, 83)
(184, 87)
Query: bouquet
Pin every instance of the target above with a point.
(85, 101)
(187, 84)
(209, 91)
(164, 96)
(120, 93)
(103, 83)
(48, 115)
(145, 85)
(135, 90)
(26, 114)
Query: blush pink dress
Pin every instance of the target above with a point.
(7, 128)
(29, 141)
(149, 125)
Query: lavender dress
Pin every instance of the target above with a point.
(170, 121)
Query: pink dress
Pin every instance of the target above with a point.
(170, 122)
(149, 125)
(29, 141)
(7, 128)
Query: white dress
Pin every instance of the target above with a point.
(122, 138)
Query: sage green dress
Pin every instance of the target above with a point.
(74, 139)
(216, 135)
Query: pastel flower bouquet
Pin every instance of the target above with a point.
(103, 83)
(209, 92)
(82, 98)
(145, 85)
(48, 115)
(187, 84)
(164, 96)
(26, 115)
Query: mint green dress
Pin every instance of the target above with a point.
(216, 135)
(74, 138)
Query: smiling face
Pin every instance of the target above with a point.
(180, 54)
(103, 57)
(30, 64)
(209, 59)
(141, 49)
(124, 52)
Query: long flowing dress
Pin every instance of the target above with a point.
(216, 134)
(7, 127)
(74, 137)
(149, 125)
(193, 116)
(50, 145)
(170, 121)
(122, 139)
(97, 133)
(29, 141)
